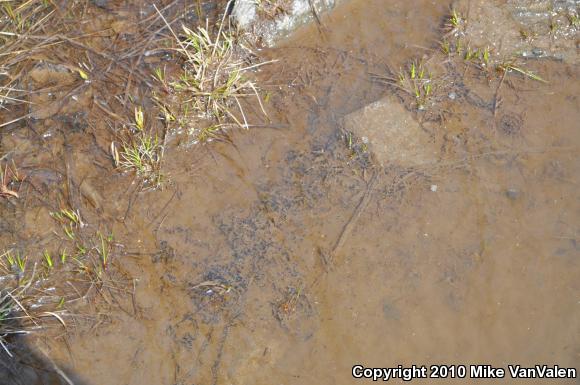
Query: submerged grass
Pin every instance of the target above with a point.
(35, 290)
(43, 286)
(21, 30)
(481, 57)
(456, 44)
(427, 82)
(508, 67)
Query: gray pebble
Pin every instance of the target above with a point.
(512, 193)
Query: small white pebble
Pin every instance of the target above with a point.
(452, 95)
(434, 187)
(365, 140)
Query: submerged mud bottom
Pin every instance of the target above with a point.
(288, 255)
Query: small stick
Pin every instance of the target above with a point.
(347, 229)
(15, 120)
(5, 348)
(496, 99)
(319, 24)
(315, 13)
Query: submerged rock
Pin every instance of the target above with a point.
(244, 12)
(287, 17)
(52, 78)
(101, 3)
(512, 193)
(394, 136)
(46, 74)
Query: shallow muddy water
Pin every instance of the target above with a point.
(285, 257)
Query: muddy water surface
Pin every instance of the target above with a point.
(284, 257)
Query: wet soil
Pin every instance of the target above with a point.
(284, 256)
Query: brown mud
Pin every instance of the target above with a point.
(284, 254)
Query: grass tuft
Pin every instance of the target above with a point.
(214, 76)
(456, 23)
(214, 81)
(417, 80)
(141, 154)
(30, 297)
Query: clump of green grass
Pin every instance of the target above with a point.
(456, 23)
(24, 299)
(214, 76)
(67, 214)
(159, 75)
(214, 81)
(357, 147)
(480, 56)
(141, 154)
(140, 151)
(456, 46)
(139, 119)
(574, 20)
(417, 80)
(454, 42)
(455, 19)
(34, 290)
(16, 262)
(69, 219)
(48, 260)
(104, 248)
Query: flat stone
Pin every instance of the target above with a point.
(46, 74)
(394, 136)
